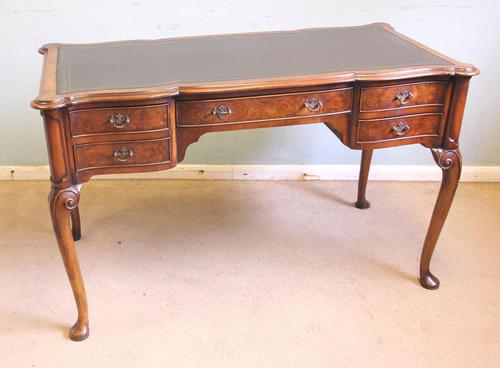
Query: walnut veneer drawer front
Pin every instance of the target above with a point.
(119, 119)
(132, 153)
(410, 126)
(402, 95)
(262, 108)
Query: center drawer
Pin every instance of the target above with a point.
(262, 108)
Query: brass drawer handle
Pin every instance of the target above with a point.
(123, 154)
(400, 128)
(119, 120)
(403, 97)
(221, 111)
(313, 104)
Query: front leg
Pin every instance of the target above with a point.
(62, 203)
(450, 162)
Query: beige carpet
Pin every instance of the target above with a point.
(252, 274)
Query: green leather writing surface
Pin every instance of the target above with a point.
(134, 64)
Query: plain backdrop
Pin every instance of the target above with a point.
(465, 30)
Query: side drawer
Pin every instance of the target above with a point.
(118, 119)
(262, 108)
(403, 127)
(115, 154)
(402, 96)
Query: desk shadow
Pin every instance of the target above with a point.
(318, 191)
(357, 254)
(391, 269)
(29, 322)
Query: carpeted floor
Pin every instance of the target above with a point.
(252, 274)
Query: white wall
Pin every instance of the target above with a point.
(466, 30)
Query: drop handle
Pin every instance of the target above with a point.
(119, 120)
(221, 111)
(400, 128)
(123, 154)
(313, 104)
(403, 97)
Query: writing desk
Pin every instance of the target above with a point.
(135, 106)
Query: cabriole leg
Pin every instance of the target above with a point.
(366, 158)
(62, 203)
(450, 162)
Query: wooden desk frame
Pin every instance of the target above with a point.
(59, 110)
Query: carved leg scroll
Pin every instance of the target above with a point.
(450, 161)
(62, 203)
(366, 158)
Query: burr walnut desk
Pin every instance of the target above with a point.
(135, 106)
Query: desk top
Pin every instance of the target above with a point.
(235, 61)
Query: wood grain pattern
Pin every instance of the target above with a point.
(382, 130)
(384, 97)
(95, 121)
(262, 108)
(101, 155)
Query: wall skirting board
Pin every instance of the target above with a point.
(278, 172)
